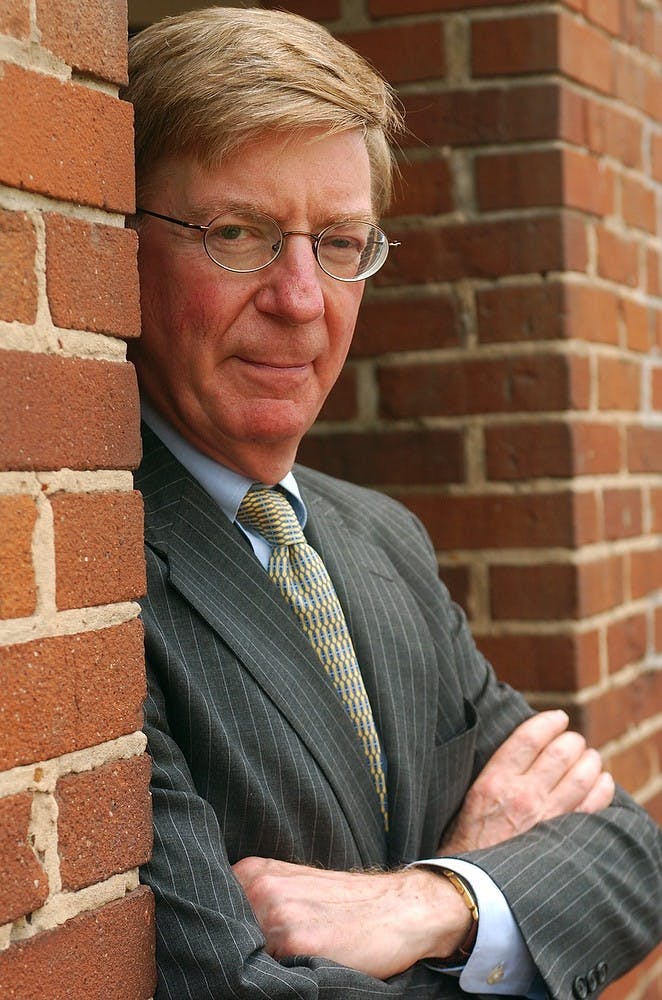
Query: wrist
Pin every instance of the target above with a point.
(463, 950)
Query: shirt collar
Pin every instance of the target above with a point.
(226, 487)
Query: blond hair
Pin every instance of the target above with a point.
(208, 81)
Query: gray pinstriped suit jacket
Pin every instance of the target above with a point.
(252, 755)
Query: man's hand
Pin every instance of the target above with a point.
(379, 923)
(541, 771)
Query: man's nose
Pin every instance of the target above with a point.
(292, 286)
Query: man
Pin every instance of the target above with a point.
(346, 802)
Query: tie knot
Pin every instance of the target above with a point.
(270, 513)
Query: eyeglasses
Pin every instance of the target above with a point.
(348, 251)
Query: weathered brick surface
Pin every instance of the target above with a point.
(104, 821)
(67, 412)
(98, 548)
(96, 955)
(90, 35)
(42, 122)
(549, 662)
(528, 383)
(68, 692)
(23, 881)
(15, 18)
(18, 593)
(382, 459)
(18, 280)
(406, 52)
(92, 279)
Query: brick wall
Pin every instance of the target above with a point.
(74, 806)
(506, 377)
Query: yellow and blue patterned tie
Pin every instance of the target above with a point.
(302, 578)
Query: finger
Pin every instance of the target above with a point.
(574, 785)
(556, 759)
(517, 753)
(600, 796)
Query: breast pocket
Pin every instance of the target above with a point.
(451, 775)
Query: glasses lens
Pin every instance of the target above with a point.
(352, 250)
(241, 242)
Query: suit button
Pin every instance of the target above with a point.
(601, 969)
(580, 988)
(592, 980)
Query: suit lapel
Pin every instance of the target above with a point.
(212, 566)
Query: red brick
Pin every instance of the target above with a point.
(608, 130)
(18, 279)
(104, 821)
(645, 572)
(654, 277)
(24, 882)
(15, 18)
(605, 13)
(644, 449)
(515, 45)
(622, 513)
(89, 35)
(98, 548)
(521, 313)
(318, 10)
(633, 767)
(402, 52)
(342, 402)
(549, 662)
(488, 250)
(591, 313)
(18, 593)
(43, 120)
(617, 257)
(638, 204)
(384, 7)
(551, 591)
(458, 580)
(405, 324)
(475, 117)
(610, 715)
(656, 388)
(68, 692)
(388, 457)
(507, 521)
(61, 412)
(656, 156)
(424, 188)
(619, 384)
(97, 954)
(585, 54)
(626, 641)
(656, 510)
(502, 385)
(524, 451)
(551, 177)
(636, 320)
(546, 311)
(92, 277)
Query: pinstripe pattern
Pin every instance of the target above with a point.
(252, 756)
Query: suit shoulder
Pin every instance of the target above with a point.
(361, 505)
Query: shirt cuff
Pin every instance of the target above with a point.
(500, 962)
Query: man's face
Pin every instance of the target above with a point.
(241, 363)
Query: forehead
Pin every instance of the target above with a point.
(283, 174)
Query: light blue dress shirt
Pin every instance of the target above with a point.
(500, 962)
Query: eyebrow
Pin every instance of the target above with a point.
(203, 211)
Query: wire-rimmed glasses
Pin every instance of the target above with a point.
(245, 242)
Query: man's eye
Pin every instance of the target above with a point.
(229, 232)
